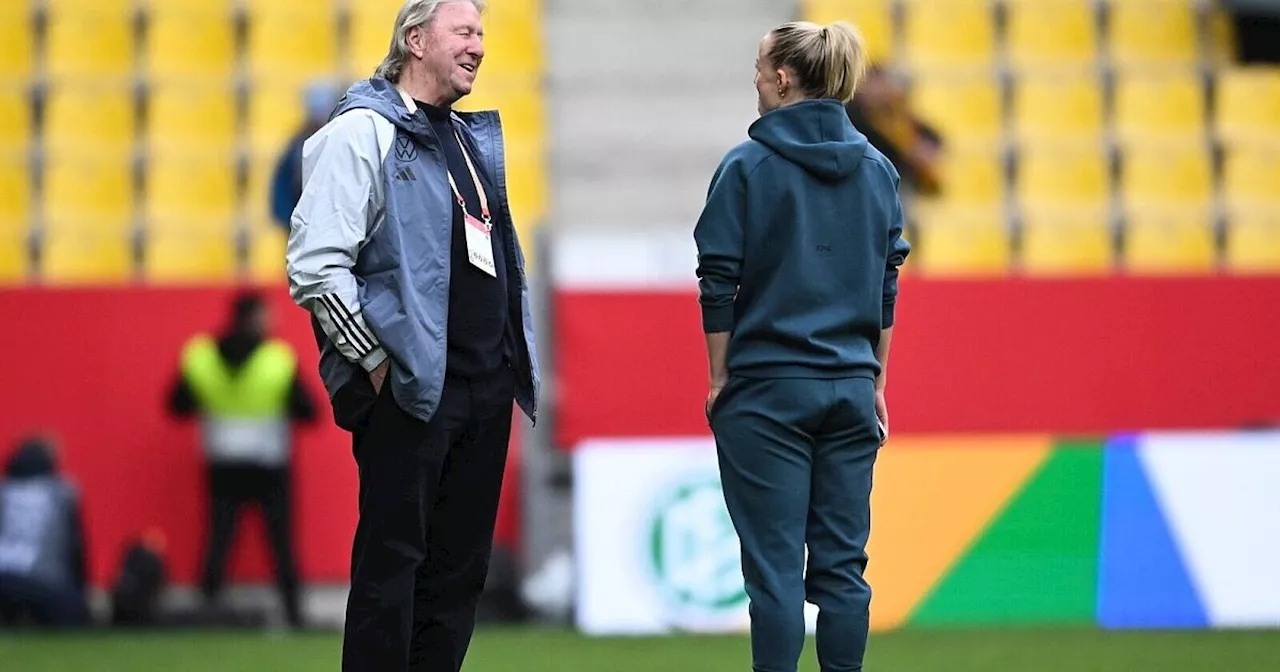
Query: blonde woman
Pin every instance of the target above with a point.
(798, 253)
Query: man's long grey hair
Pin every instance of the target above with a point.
(414, 13)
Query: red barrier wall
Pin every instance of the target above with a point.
(95, 367)
(1095, 355)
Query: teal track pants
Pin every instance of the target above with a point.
(796, 460)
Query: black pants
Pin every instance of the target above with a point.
(428, 504)
(230, 488)
(45, 604)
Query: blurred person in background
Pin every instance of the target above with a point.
(799, 246)
(245, 388)
(404, 252)
(43, 571)
(286, 181)
(880, 111)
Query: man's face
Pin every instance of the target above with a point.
(455, 47)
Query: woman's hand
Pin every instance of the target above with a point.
(882, 416)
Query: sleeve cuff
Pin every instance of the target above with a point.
(374, 359)
(717, 320)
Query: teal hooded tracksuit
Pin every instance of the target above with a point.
(798, 250)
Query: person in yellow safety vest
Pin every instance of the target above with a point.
(244, 387)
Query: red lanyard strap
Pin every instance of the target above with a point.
(475, 178)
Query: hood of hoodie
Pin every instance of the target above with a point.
(381, 96)
(32, 460)
(815, 135)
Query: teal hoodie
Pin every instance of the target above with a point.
(799, 247)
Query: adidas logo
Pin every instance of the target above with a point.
(405, 174)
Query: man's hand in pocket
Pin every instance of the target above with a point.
(379, 375)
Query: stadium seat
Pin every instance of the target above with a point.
(1063, 175)
(266, 253)
(198, 185)
(17, 41)
(89, 115)
(1220, 35)
(1154, 174)
(88, 188)
(873, 18)
(192, 114)
(75, 256)
(1065, 107)
(519, 102)
(15, 262)
(1253, 241)
(190, 42)
(972, 175)
(176, 256)
(94, 42)
(1159, 105)
(261, 169)
(275, 114)
(1168, 240)
(1251, 176)
(965, 109)
(948, 34)
(512, 41)
(15, 187)
(1043, 33)
(1152, 32)
(81, 6)
(1248, 104)
(369, 36)
(953, 241)
(1066, 241)
(291, 44)
(15, 118)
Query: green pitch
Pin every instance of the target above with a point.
(1022, 650)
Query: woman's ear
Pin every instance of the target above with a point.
(784, 82)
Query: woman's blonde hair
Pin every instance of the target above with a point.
(829, 61)
(412, 14)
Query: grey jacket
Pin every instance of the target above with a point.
(369, 245)
(38, 530)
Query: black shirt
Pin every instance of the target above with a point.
(478, 302)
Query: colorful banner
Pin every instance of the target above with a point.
(1164, 530)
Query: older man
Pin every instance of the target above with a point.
(403, 250)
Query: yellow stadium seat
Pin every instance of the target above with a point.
(190, 184)
(1063, 175)
(954, 241)
(261, 170)
(1159, 105)
(873, 18)
(1066, 241)
(949, 34)
(1067, 107)
(89, 115)
(1248, 104)
(1152, 32)
(1168, 240)
(85, 188)
(15, 118)
(512, 42)
(112, 6)
(1251, 177)
(1042, 33)
(15, 261)
(1253, 241)
(1155, 174)
(266, 253)
(526, 185)
(369, 38)
(298, 45)
(187, 42)
(972, 175)
(520, 103)
(90, 43)
(964, 109)
(192, 114)
(15, 187)
(17, 41)
(75, 256)
(181, 257)
(275, 113)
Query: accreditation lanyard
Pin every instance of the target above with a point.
(486, 220)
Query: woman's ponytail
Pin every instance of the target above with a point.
(829, 61)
